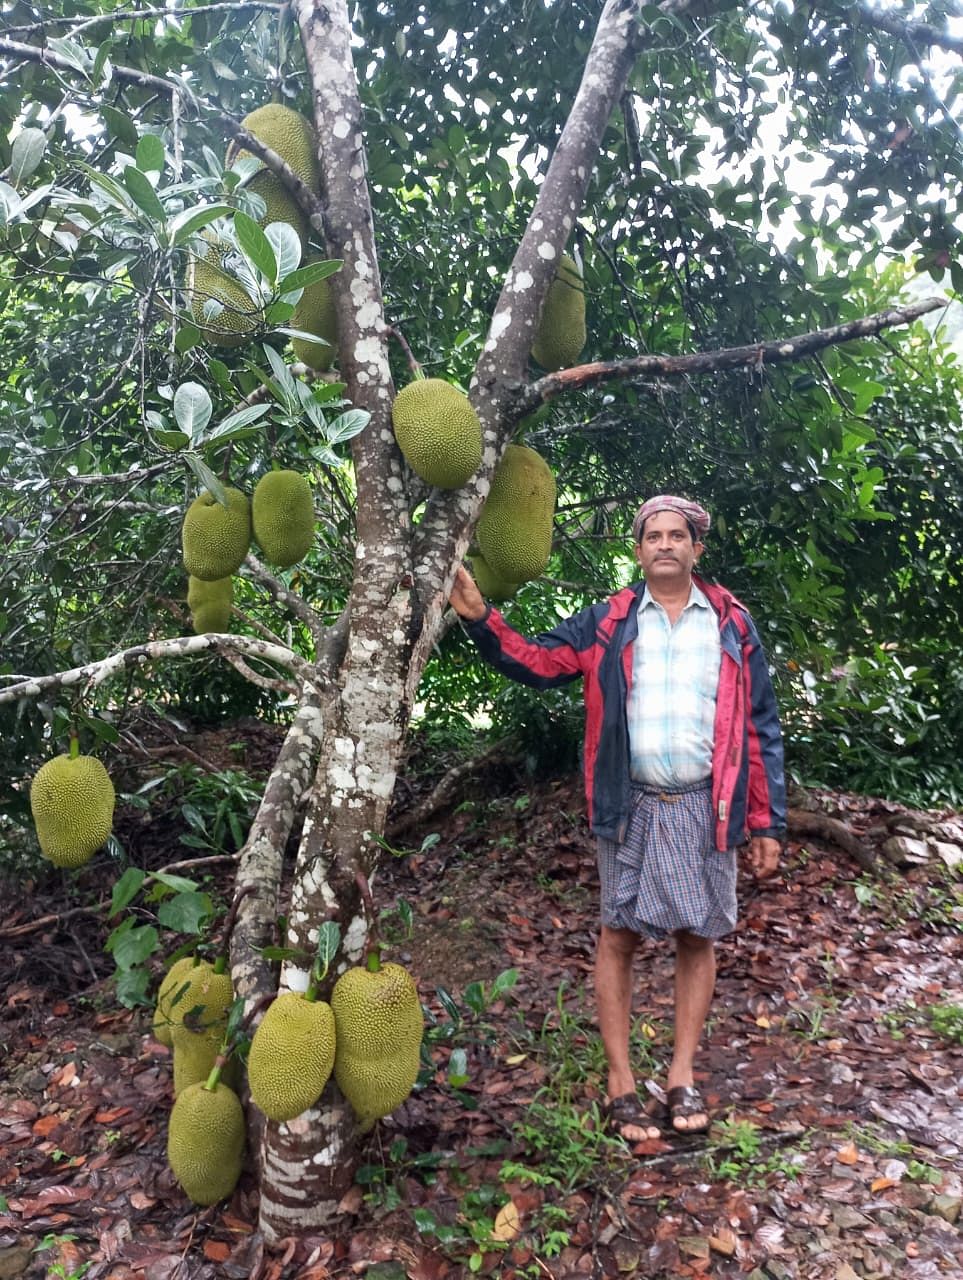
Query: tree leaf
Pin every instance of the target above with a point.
(207, 478)
(348, 425)
(143, 194)
(150, 155)
(26, 153)
(186, 912)
(310, 274)
(192, 408)
(255, 246)
(180, 884)
(286, 245)
(235, 426)
(134, 946)
(126, 889)
(189, 221)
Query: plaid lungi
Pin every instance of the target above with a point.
(667, 874)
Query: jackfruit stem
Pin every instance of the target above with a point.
(74, 746)
(417, 373)
(373, 958)
(214, 1079)
(311, 994)
(229, 922)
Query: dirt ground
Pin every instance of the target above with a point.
(832, 1067)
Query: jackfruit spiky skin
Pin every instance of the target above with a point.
(291, 1056)
(561, 329)
(72, 801)
(216, 539)
(515, 528)
(209, 277)
(282, 513)
(194, 1057)
(210, 604)
(288, 133)
(378, 1030)
(438, 432)
(173, 980)
(205, 1142)
(314, 313)
(490, 584)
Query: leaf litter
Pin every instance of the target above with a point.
(837, 1145)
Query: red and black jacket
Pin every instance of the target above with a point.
(748, 783)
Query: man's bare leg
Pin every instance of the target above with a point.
(695, 978)
(613, 995)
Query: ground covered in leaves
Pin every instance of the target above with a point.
(832, 1069)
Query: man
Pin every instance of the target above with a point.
(683, 762)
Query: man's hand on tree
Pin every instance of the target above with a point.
(465, 598)
(764, 854)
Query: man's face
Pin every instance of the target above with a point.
(667, 553)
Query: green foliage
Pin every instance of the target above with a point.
(736, 1152)
(947, 1021)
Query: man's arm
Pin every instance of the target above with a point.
(543, 662)
(465, 598)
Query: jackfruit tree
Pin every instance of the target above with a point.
(163, 248)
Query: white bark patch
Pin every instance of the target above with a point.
(786, 349)
(499, 324)
(394, 485)
(537, 224)
(546, 251)
(368, 350)
(328, 1155)
(524, 280)
(355, 936)
(295, 979)
(368, 315)
(341, 128)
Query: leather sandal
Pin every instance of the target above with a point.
(627, 1110)
(686, 1100)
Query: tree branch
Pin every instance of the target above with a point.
(293, 603)
(779, 351)
(306, 199)
(912, 32)
(94, 673)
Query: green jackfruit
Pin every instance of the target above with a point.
(288, 133)
(220, 306)
(210, 604)
(314, 313)
(490, 584)
(515, 528)
(72, 801)
(174, 981)
(205, 1142)
(291, 1056)
(561, 329)
(216, 539)
(438, 432)
(197, 1015)
(378, 1030)
(282, 513)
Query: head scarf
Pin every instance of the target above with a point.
(697, 516)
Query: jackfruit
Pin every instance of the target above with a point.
(210, 277)
(515, 529)
(490, 584)
(282, 513)
(72, 802)
(197, 1013)
(291, 1056)
(438, 432)
(210, 604)
(314, 313)
(216, 539)
(194, 1056)
(205, 1142)
(378, 1030)
(561, 329)
(288, 133)
(173, 981)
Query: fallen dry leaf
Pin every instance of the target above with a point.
(508, 1222)
(848, 1154)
